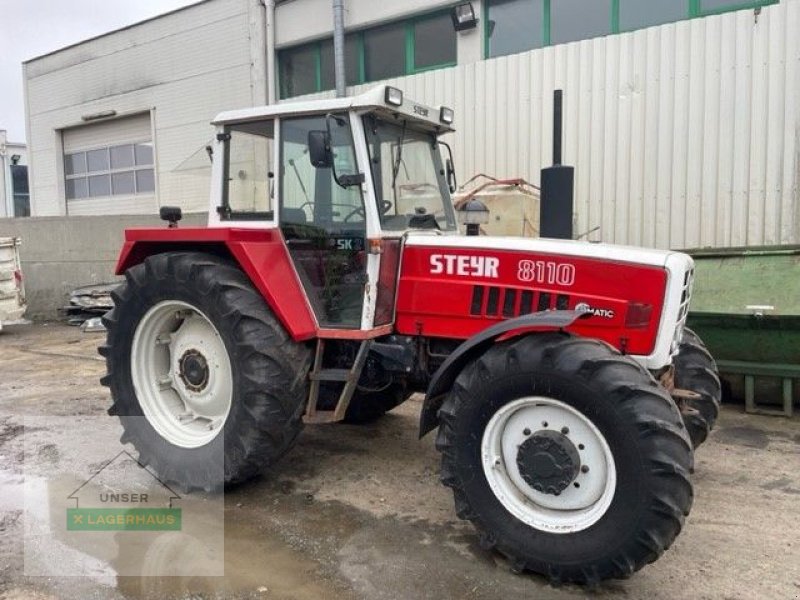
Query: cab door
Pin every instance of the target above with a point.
(324, 222)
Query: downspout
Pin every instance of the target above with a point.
(272, 75)
(338, 47)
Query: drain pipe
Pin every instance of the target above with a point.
(338, 47)
(272, 75)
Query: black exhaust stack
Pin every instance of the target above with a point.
(558, 185)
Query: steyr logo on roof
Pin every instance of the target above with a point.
(465, 266)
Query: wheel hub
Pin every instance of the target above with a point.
(548, 462)
(194, 371)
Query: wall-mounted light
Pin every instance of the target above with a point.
(464, 17)
(15, 158)
(106, 114)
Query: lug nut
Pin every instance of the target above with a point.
(526, 431)
(585, 469)
(544, 423)
(581, 446)
(565, 430)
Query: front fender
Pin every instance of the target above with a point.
(446, 374)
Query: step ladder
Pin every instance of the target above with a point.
(349, 377)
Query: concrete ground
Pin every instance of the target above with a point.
(357, 512)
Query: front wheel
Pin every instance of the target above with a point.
(567, 457)
(696, 371)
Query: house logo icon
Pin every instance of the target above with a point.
(102, 506)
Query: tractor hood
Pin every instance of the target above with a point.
(638, 297)
(598, 251)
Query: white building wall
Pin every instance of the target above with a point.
(183, 68)
(682, 135)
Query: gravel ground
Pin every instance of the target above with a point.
(357, 512)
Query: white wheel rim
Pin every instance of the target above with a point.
(181, 374)
(576, 507)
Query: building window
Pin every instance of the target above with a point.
(20, 191)
(403, 48)
(385, 52)
(638, 14)
(514, 26)
(519, 25)
(123, 170)
(434, 42)
(572, 20)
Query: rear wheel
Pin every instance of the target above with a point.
(208, 386)
(567, 457)
(696, 371)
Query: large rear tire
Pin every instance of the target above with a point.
(194, 351)
(696, 371)
(567, 457)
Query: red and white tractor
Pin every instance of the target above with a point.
(332, 282)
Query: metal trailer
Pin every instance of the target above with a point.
(746, 307)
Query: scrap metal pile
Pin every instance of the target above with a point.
(89, 302)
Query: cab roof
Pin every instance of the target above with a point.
(424, 116)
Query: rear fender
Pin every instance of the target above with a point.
(261, 254)
(445, 376)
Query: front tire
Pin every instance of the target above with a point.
(696, 371)
(563, 404)
(208, 386)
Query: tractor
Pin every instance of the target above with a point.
(331, 283)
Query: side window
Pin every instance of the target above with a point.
(310, 195)
(249, 163)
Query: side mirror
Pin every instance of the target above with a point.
(319, 149)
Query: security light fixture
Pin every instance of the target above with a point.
(464, 17)
(15, 158)
(393, 96)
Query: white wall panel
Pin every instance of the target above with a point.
(682, 135)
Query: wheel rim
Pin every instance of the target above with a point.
(536, 440)
(182, 374)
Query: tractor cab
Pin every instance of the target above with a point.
(344, 179)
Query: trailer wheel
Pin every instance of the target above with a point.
(696, 370)
(193, 351)
(567, 457)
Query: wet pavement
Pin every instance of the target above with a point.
(353, 512)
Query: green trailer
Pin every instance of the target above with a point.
(746, 307)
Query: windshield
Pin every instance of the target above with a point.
(410, 185)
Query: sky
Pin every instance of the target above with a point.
(30, 28)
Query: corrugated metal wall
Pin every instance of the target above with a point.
(682, 135)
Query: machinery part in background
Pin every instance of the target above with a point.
(542, 438)
(178, 320)
(696, 371)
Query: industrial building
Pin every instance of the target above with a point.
(682, 117)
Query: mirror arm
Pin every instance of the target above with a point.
(343, 181)
(450, 167)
